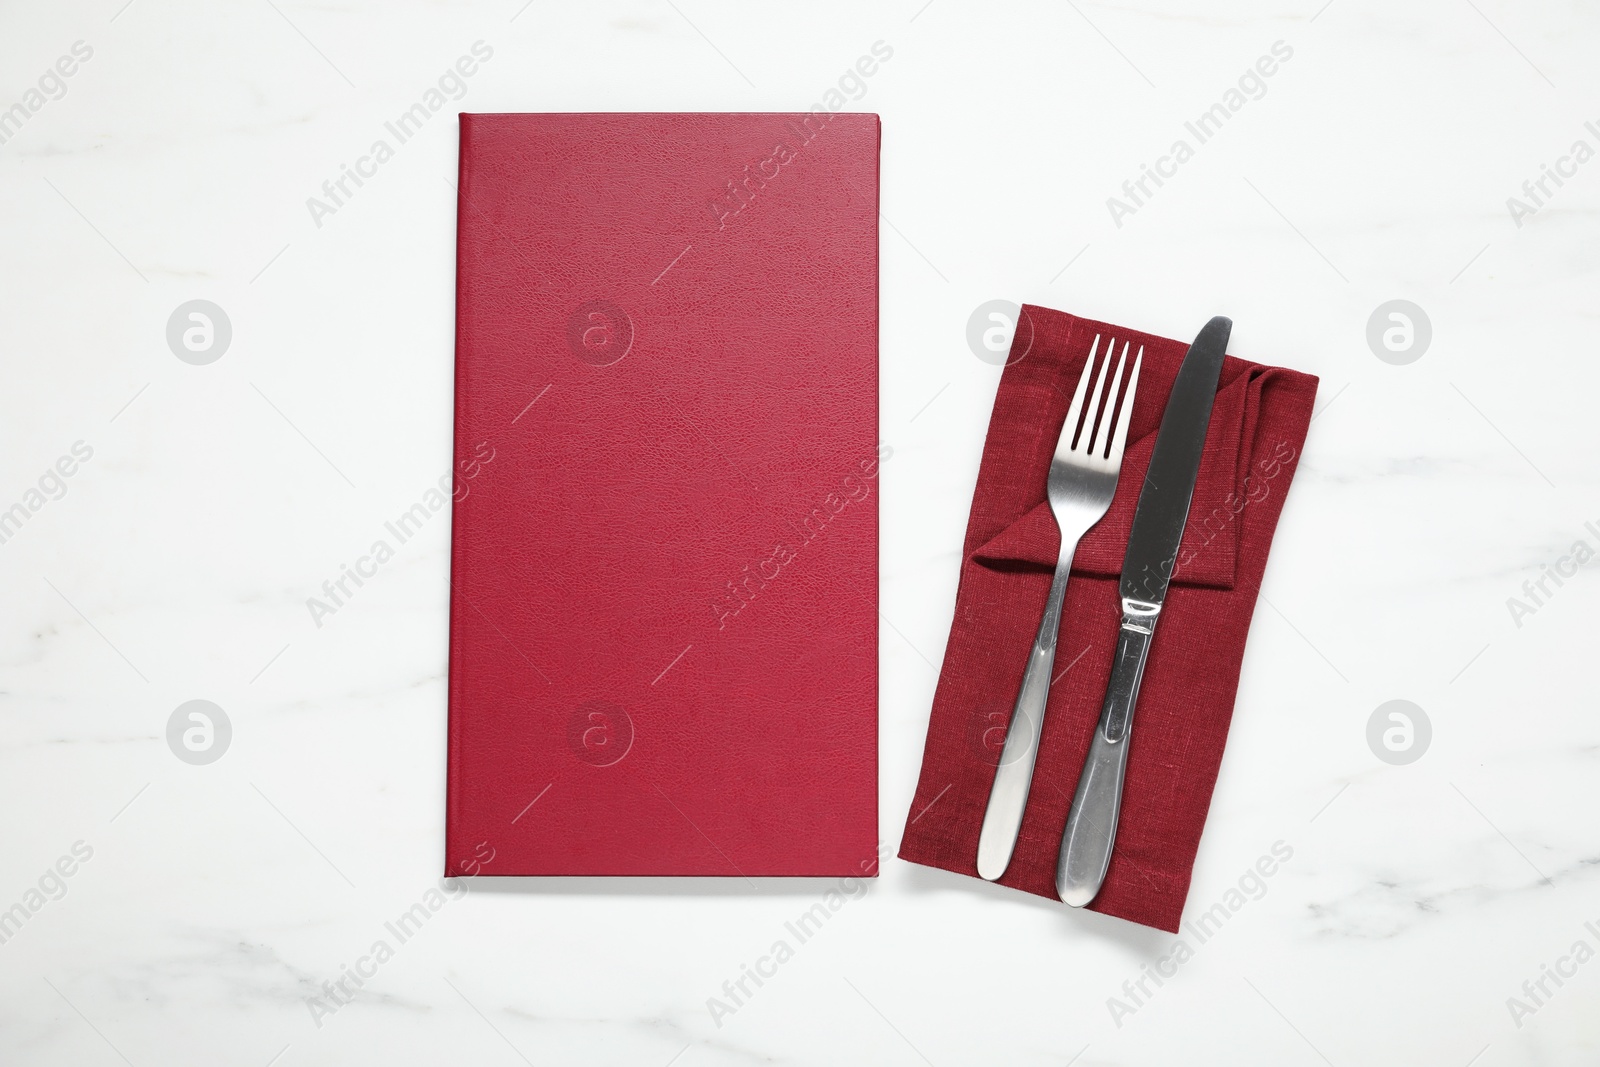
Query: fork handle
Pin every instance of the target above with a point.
(1092, 823)
(1008, 798)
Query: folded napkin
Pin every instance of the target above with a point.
(1257, 429)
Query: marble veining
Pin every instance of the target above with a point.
(160, 908)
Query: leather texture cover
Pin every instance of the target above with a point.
(664, 572)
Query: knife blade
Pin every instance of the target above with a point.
(1152, 554)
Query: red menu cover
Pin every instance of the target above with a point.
(663, 610)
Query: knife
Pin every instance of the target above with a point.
(1146, 569)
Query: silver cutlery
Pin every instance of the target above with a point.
(1082, 481)
(1146, 569)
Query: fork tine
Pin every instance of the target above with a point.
(1114, 457)
(1099, 410)
(1069, 429)
(1102, 437)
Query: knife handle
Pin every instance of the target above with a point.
(1092, 823)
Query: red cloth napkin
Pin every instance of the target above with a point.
(1257, 429)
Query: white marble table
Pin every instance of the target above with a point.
(206, 502)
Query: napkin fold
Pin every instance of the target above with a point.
(1253, 445)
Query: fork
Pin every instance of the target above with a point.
(1083, 479)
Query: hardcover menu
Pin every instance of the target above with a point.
(663, 610)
